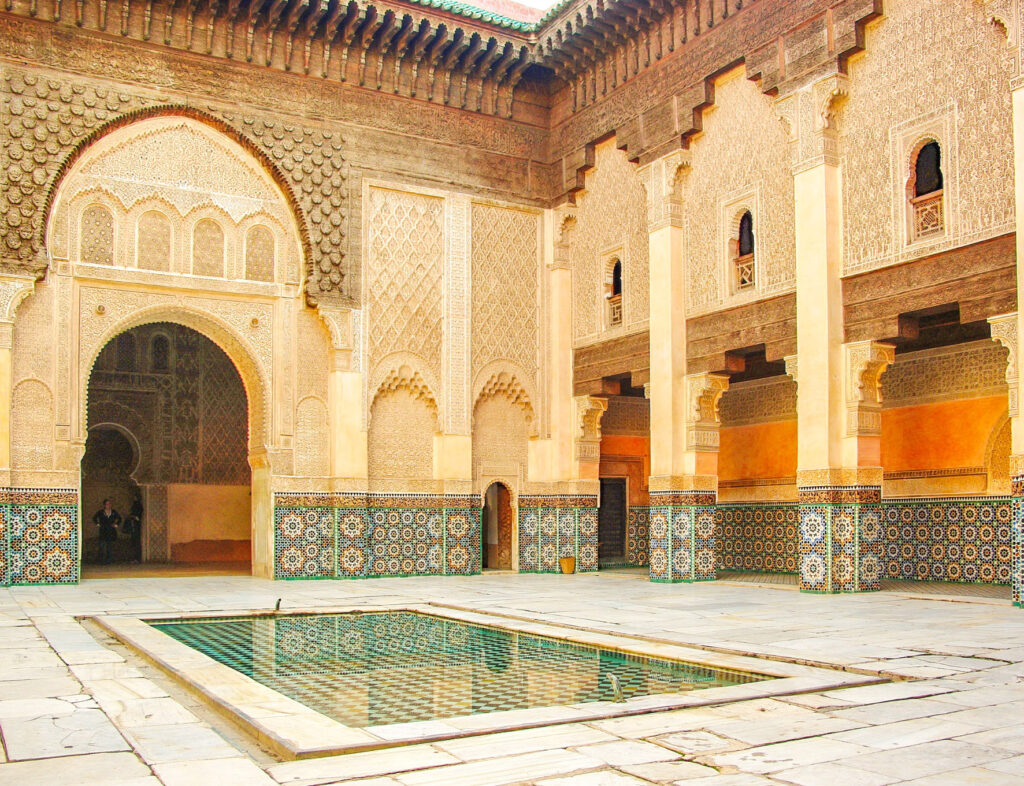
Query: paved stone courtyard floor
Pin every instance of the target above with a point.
(78, 708)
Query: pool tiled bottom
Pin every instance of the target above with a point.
(372, 669)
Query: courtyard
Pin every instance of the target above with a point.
(76, 706)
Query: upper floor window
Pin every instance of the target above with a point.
(160, 353)
(925, 191)
(613, 293)
(97, 236)
(744, 269)
(125, 352)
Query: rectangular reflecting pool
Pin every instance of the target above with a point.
(379, 668)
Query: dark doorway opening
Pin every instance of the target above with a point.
(611, 522)
(497, 528)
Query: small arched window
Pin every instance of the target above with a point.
(744, 268)
(126, 352)
(160, 353)
(925, 190)
(613, 292)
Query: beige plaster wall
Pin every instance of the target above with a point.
(740, 161)
(198, 512)
(930, 67)
(611, 221)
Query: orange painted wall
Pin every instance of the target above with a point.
(628, 457)
(763, 450)
(939, 436)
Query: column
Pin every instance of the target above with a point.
(1016, 360)
(13, 290)
(839, 476)
(345, 402)
(684, 407)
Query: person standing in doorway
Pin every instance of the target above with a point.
(134, 526)
(107, 520)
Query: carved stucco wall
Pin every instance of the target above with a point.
(501, 436)
(611, 220)
(759, 401)
(452, 294)
(740, 161)
(47, 119)
(192, 174)
(401, 441)
(626, 416)
(505, 293)
(931, 67)
(960, 371)
(171, 194)
(404, 277)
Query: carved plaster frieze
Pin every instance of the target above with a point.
(792, 368)
(13, 290)
(565, 223)
(811, 113)
(703, 394)
(660, 180)
(1004, 330)
(506, 384)
(866, 361)
(339, 326)
(589, 411)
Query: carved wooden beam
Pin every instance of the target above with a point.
(429, 52)
(274, 17)
(368, 35)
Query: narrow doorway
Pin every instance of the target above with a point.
(611, 522)
(497, 528)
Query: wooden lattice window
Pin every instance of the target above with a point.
(126, 352)
(925, 189)
(160, 353)
(744, 269)
(613, 293)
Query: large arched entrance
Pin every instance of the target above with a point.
(497, 525)
(167, 415)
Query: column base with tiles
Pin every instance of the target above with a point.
(840, 539)
(682, 536)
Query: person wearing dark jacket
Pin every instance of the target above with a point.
(107, 520)
(133, 523)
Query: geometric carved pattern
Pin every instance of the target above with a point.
(945, 374)
(54, 116)
(154, 242)
(404, 271)
(505, 248)
(612, 214)
(259, 254)
(97, 236)
(208, 249)
(759, 401)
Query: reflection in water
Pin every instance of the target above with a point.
(397, 667)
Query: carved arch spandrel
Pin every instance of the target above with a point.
(503, 378)
(321, 241)
(409, 378)
(244, 357)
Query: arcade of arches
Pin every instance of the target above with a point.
(743, 317)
